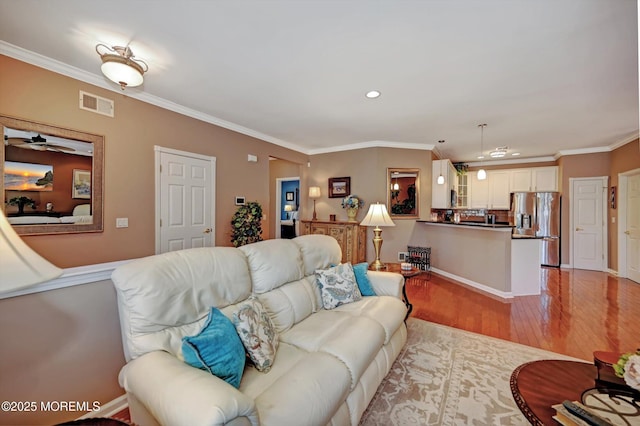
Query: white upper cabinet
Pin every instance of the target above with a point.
(478, 191)
(441, 193)
(499, 192)
(544, 178)
(520, 180)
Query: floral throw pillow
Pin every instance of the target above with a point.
(337, 285)
(257, 333)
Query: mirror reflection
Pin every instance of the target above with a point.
(403, 193)
(51, 178)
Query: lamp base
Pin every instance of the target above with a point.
(315, 217)
(377, 265)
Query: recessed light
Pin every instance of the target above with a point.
(515, 153)
(372, 94)
(480, 157)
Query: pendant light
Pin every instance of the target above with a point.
(440, 179)
(482, 174)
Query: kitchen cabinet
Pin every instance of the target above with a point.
(499, 192)
(544, 178)
(351, 237)
(520, 180)
(441, 193)
(478, 192)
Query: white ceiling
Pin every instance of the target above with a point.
(549, 77)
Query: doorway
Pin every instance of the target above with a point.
(287, 206)
(185, 200)
(588, 223)
(629, 225)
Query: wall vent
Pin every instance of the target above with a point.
(96, 104)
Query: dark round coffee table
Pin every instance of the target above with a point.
(538, 385)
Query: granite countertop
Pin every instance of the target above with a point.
(481, 224)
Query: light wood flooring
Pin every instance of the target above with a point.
(578, 312)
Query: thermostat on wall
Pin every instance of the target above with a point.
(239, 201)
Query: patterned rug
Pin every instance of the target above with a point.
(446, 376)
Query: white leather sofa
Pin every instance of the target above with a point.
(328, 364)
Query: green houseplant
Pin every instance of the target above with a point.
(246, 226)
(21, 202)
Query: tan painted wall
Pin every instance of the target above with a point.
(368, 171)
(33, 93)
(60, 345)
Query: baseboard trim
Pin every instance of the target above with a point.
(483, 288)
(71, 277)
(109, 409)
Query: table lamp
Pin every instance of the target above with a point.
(288, 208)
(20, 266)
(377, 216)
(314, 192)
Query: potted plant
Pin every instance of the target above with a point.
(352, 203)
(246, 226)
(21, 202)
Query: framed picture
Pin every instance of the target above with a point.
(289, 196)
(339, 187)
(612, 197)
(81, 186)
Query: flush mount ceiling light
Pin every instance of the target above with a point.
(120, 65)
(482, 174)
(372, 94)
(499, 152)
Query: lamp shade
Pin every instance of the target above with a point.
(288, 208)
(19, 265)
(482, 174)
(377, 216)
(125, 74)
(314, 192)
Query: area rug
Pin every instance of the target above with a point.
(446, 376)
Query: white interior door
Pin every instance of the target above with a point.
(632, 232)
(587, 198)
(185, 200)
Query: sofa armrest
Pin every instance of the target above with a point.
(177, 394)
(386, 283)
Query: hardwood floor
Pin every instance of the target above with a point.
(577, 313)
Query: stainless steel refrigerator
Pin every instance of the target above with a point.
(537, 215)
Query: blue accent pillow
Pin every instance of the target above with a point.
(216, 349)
(360, 271)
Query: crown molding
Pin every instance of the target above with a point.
(372, 144)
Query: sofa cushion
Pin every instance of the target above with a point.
(257, 333)
(337, 285)
(216, 349)
(387, 311)
(364, 285)
(318, 252)
(291, 303)
(273, 263)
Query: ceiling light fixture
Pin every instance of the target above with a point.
(515, 154)
(499, 152)
(120, 65)
(440, 179)
(372, 94)
(482, 174)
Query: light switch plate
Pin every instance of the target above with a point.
(122, 222)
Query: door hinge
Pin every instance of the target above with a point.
(160, 168)
(161, 223)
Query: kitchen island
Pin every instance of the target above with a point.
(483, 256)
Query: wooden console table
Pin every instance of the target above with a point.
(350, 235)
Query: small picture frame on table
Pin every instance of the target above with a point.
(339, 187)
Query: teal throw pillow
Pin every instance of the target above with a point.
(360, 271)
(216, 349)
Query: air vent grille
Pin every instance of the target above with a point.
(96, 104)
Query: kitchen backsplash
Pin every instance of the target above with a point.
(473, 215)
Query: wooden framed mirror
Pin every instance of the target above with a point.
(403, 192)
(34, 202)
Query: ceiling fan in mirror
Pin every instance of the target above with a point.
(37, 143)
